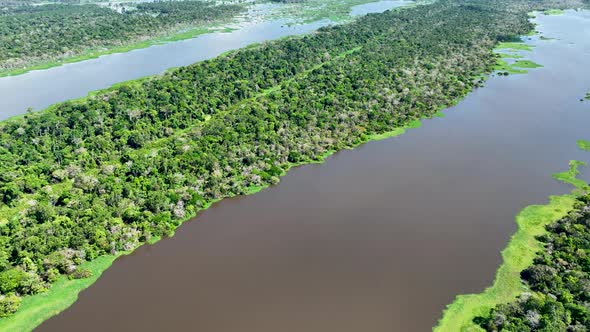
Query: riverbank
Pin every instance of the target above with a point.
(517, 256)
(523, 246)
(211, 125)
(337, 11)
(37, 308)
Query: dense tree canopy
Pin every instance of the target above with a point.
(109, 172)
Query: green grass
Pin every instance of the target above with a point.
(584, 145)
(396, 132)
(587, 96)
(37, 308)
(515, 46)
(553, 12)
(517, 256)
(503, 66)
(526, 64)
(570, 176)
(510, 56)
(518, 66)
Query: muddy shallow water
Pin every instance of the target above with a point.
(376, 239)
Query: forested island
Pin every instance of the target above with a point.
(125, 166)
(40, 34)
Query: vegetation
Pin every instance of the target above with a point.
(516, 67)
(584, 145)
(517, 256)
(49, 34)
(305, 11)
(101, 175)
(570, 176)
(37, 308)
(553, 12)
(526, 64)
(514, 46)
(558, 280)
(466, 312)
(504, 67)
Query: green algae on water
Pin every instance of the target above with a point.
(554, 12)
(526, 64)
(584, 145)
(517, 46)
(517, 256)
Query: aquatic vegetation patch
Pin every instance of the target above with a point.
(570, 176)
(526, 64)
(504, 68)
(584, 145)
(515, 46)
(510, 56)
(554, 12)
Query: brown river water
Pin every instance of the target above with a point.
(377, 239)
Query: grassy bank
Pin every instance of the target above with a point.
(554, 12)
(517, 256)
(37, 308)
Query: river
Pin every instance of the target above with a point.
(40, 88)
(379, 238)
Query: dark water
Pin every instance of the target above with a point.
(41, 88)
(376, 239)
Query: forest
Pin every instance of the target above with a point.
(559, 282)
(30, 34)
(129, 164)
